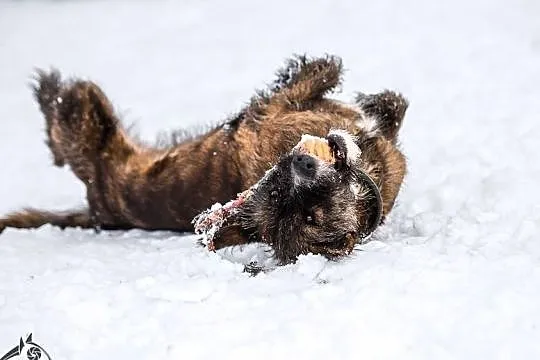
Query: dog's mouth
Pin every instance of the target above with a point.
(330, 150)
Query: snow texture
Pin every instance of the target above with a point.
(454, 273)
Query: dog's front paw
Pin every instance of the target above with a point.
(386, 108)
(386, 103)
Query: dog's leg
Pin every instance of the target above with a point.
(84, 133)
(384, 113)
(81, 125)
(31, 219)
(47, 94)
(303, 81)
(298, 86)
(226, 236)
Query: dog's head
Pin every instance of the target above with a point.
(316, 199)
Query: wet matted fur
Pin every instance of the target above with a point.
(132, 185)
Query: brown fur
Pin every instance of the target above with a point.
(133, 185)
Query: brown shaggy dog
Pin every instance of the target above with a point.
(131, 185)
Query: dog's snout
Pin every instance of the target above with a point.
(305, 165)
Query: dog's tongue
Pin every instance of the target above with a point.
(315, 146)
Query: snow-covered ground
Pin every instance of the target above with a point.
(455, 274)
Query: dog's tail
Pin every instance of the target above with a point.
(32, 219)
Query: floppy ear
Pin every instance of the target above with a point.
(229, 235)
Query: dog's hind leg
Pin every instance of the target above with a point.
(31, 219)
(47, 94)
(81, 125)
(84, 133)
(384, 113)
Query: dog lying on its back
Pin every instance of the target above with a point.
(302, 206)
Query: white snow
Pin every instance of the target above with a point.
(455, 272)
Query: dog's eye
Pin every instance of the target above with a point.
(313, 216)
(338, 165)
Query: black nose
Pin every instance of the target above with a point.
(304, 165)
